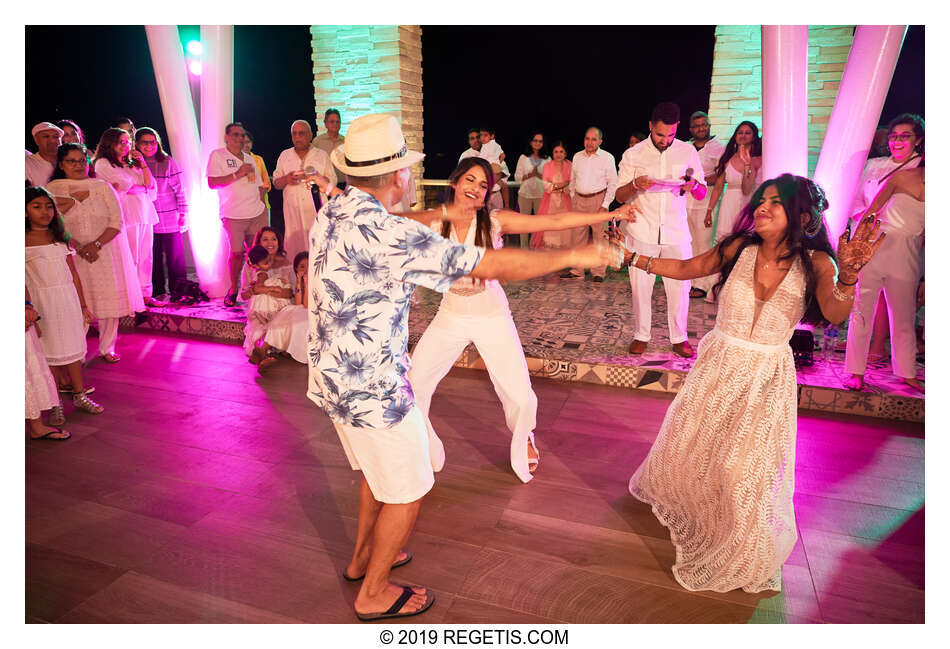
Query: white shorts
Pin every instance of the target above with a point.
(395, 461)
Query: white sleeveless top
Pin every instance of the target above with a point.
(470, 297)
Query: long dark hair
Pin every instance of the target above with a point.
(542, 152)
(106, 149)
(732, 147)
(61, 154)
(482, 217)
(798, 196)
(280, 239)
(161, 154)
(56, 227)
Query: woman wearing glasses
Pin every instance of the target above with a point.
(895, 270)
(528, 173)
(90, 208)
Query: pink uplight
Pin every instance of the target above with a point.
(195, 68)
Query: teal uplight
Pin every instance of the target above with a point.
(194, 48)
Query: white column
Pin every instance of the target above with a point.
(168, 62)
(784, 100)
(217, 107)
(864, 85)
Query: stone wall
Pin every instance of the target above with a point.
(363, 69)
(736, 88)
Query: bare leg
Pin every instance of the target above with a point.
(369, 511)
(235, 263)
(39, 429)
(880, 329)
(390, 531)
(74, 370)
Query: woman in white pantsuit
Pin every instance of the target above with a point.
(897, 198)
(476, 312)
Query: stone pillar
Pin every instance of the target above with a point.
(363, 69)
(736, 86)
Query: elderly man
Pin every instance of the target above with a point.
(364, 265)
(298, 168)
(39, 165)
(709, 150)
(593, 183)
(658, 174)
(232, 173)
(332, 138)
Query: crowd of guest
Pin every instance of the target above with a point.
(123, 214)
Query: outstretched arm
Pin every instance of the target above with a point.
(708, 263)
(516, 264)
(517, 223)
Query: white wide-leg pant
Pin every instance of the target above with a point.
(677, 291)
(901, 294)
(108, 333)
(140, 244)
(496, 339)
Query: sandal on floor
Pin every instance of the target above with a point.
(111, 358)
(57, 431)
(56, 416)
(396, 564)
(230, 299)
(393, 611)
(68, 389)
(257, 355)
(533, 462)
(266, 362)
(697, 292)
(854, 383)
(83, 402)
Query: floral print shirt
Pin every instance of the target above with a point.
(364, 266)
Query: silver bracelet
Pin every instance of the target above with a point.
(840, 295)
(633, 260)
(647, 268)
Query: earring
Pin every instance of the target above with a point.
(813, 228)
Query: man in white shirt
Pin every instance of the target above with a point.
(490, 150)
(709, 150)
(657, 174)
(39, 165)
(298, 168)
(474, 144)
(332, 138)
(232, 173)
(593, 184)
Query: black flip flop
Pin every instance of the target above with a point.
(48, 436)
(393, 611)
(401, 562)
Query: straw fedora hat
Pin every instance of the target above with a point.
(374, 145)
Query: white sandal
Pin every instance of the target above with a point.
(533, 462)
(82, 401)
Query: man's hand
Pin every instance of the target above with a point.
(627, 212)
(642, 182)
(243, 170)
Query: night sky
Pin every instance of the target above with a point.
(559, 80)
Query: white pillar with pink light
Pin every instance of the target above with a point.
(864, 85)
(784, 100)
(217, 110)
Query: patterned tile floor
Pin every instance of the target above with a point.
(579, 330)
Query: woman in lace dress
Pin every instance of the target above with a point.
(477, 312)
(90, 208)
(720, 474)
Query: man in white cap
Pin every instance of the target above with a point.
(365, 264)
(39, 166)
(298, 167)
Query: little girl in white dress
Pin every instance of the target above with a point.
(267, 288)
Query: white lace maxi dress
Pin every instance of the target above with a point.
(720, 474)
(54, 296)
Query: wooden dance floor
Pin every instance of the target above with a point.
(206, 493)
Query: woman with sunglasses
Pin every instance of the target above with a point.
(90, 209)
(895, 272)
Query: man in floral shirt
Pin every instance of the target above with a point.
(364, 265)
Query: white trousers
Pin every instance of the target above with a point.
(496, 339)
(108, 333)
(702, 241)
(140, 245)
(677, 292)
(901, 297)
